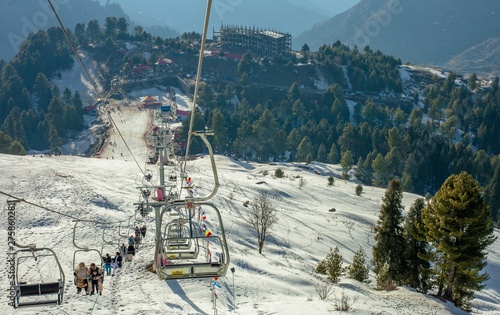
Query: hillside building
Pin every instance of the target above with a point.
(264, 42)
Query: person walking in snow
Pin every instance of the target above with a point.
(130, 252)
(131, 240)
(123, 250)
(107, 264)
(116, 264)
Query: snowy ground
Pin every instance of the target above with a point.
(75, 79)
(280, 281)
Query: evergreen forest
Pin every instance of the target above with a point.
(443, 129)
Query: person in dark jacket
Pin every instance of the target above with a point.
(107, 264)
(143, 230)
(96, 281)
(131, 252)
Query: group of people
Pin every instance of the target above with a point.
(139, 233)
(90, 278)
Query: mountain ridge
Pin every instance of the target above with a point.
(422, 32)
(23, 19)
(482, 59)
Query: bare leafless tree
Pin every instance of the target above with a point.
(262, 216)
(324, 289)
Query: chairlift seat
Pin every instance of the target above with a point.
(179, 242)
(23, 289)
(173, 247)
(181, 254)
(186, 271)
(39, 289)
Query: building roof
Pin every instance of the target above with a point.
(164, 61)
(149, 98)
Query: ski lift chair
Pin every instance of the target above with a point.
(86, 250)
(172, 177)
(182, 267)
(177, 244)
(29, 291)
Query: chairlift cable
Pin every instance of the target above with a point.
(196, 88)
(92, 81)
(58, 212)
(74, 50)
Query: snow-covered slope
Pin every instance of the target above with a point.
(280, 281)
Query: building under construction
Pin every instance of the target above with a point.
(263, 42)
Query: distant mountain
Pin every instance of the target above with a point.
(328, 7)
(482, 59)
(418, 31)
(289, 16)
(20, 18)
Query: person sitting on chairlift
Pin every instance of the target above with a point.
(95, 281)
(81, 277)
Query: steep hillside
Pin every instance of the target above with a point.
(423, 31)
(483, 59)
(21, 18)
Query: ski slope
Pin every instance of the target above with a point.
(280, 281)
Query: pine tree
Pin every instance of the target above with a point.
(492, 191)
(346, 162)
(333, 156)
(459, 227)
(331, 180)
(359, 269)
(417, 258)
(332, 265)
(219, 126)
(358, 190)
(380, 170)
(55, 141)
(304, 149)
(5, 142)
(42, 91)
(388, 252)
(472, 81)
(321, 157)
(16, 148)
